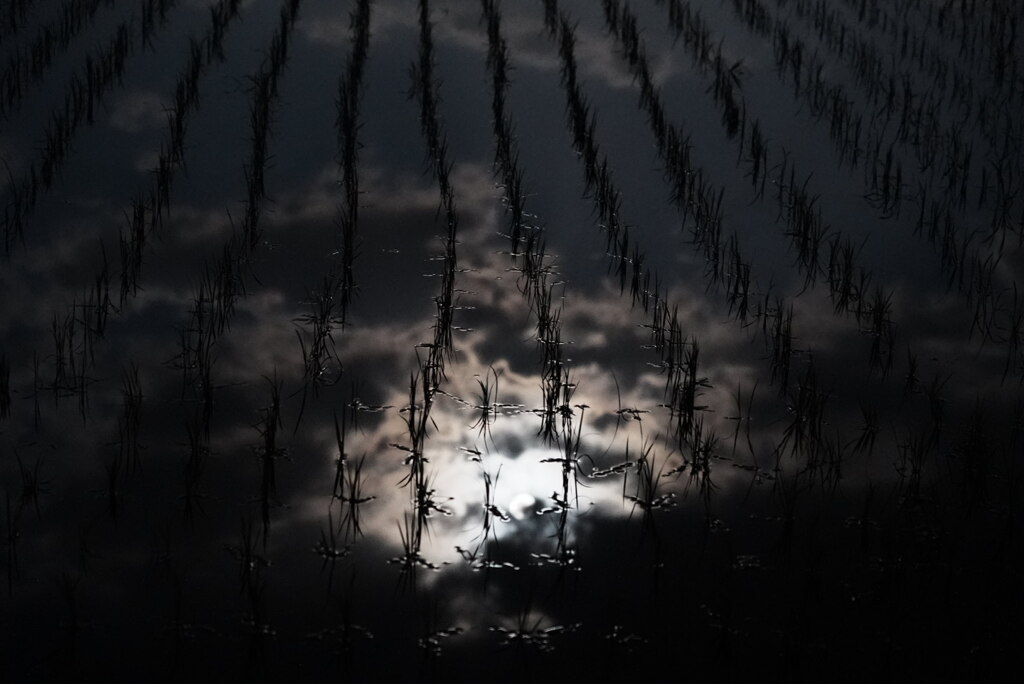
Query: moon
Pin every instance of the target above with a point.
(520, 505)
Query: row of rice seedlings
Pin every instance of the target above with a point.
(329, 304)
(149, 209)
(25, 67)
(430, 374)
(419, 482)
(348, 105)
(505, 152)
(560, 424)
(425, 90)
(263, 87)
(343, 525)
(101, 71)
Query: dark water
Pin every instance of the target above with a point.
(698, 346)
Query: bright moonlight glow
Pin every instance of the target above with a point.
(520, 504)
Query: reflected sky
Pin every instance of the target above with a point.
(838, 484)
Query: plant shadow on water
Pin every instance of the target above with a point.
(403, 339)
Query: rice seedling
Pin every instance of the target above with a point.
(743, 418)
(130, 422)
(648, 480)
(411, 560)
(703, 445)
(33, 486)
(348, 488)
(526, 631)
(914, 450)
(781, 344)
(804, 432)
(431, 643)
(880, 330)
(344, 636)
(250, 563)
(267, 455)
(329, 548)
(198, 433)
(321, 365)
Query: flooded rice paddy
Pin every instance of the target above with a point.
(387, 340)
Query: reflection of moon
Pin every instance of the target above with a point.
(520, 505)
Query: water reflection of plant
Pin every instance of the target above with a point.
(892, 535)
